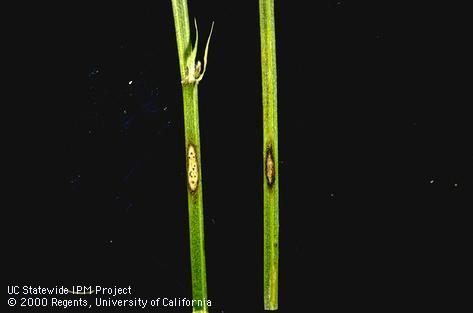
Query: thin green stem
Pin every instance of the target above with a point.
(270, 154)
(190, 77)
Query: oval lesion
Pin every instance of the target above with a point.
(192, 168)
(270, 168)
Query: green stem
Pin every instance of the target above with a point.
(190, 77)
(270, 154)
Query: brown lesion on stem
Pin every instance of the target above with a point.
(270, 167)
(192, 168)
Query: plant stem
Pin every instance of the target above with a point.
(191, 76)
(270, 154)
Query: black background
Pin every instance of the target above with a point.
(374, 136)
